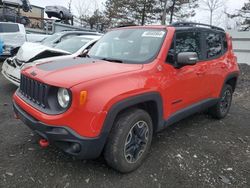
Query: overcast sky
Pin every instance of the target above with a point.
(201, 15)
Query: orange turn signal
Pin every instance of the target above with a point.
(83, 97)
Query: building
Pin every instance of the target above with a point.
(241, 45)
(36, 17)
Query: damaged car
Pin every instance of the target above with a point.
(33, 53)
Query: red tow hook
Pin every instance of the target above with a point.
(44, 143)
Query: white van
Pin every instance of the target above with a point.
(13, 35)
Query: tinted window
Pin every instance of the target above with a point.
(224, 40)
(214, 45)
(185, 42)
(8, 28)
(171, 54)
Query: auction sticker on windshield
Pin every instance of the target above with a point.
(158, 34)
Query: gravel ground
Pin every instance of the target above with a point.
(196, 152)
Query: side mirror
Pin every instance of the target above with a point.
(84, 53)
(187, 58)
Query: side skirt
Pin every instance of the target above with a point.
(198, 107)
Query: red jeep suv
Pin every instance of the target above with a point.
(134, 81)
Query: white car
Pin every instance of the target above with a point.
(13, 35)
(33, 53)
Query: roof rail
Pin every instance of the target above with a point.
(193, 24)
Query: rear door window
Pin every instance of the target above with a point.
(214, 45)
(8, 28)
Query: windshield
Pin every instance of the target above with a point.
(73, 44)
(129, 45)
(51, 38)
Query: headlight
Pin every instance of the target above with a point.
(63, 97)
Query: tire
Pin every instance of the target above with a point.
(125, 149)
(222, 107)
(61, 15)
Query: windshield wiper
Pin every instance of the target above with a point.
(112, 60)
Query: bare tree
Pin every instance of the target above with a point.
(242, 16)
(212, 6)
(163, 19)
(70, 5)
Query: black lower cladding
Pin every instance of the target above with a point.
(63, 137)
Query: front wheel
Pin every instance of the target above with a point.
(129, 140)
(221, 108)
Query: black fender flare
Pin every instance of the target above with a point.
(230, 76)
(129, 102)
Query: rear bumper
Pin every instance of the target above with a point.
(63, 137)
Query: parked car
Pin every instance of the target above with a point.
(31, 37)
(54, 39)
(59, 12)
(31, 54)
(1, 46)
(13, 35)
(135, 81)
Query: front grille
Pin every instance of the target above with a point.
(34, 91)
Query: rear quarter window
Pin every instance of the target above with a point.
(224, 43)
(214, 45)
(8, 28)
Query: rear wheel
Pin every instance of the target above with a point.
(129, 140)
(221, 108)
(61, 15)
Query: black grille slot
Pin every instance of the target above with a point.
(34, 91)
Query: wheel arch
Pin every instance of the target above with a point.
(150, 102)
(231, 80)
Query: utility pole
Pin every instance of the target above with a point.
(163, 19)
(172, 11)
(144, 12)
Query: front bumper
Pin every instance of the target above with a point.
(11, 78)
(63, 137)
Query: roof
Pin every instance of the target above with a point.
(77, 31)
(94, 37)
(179, 26)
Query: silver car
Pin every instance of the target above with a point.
(58, 12)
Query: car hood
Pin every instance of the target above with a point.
(72, 71)
(33, 51)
